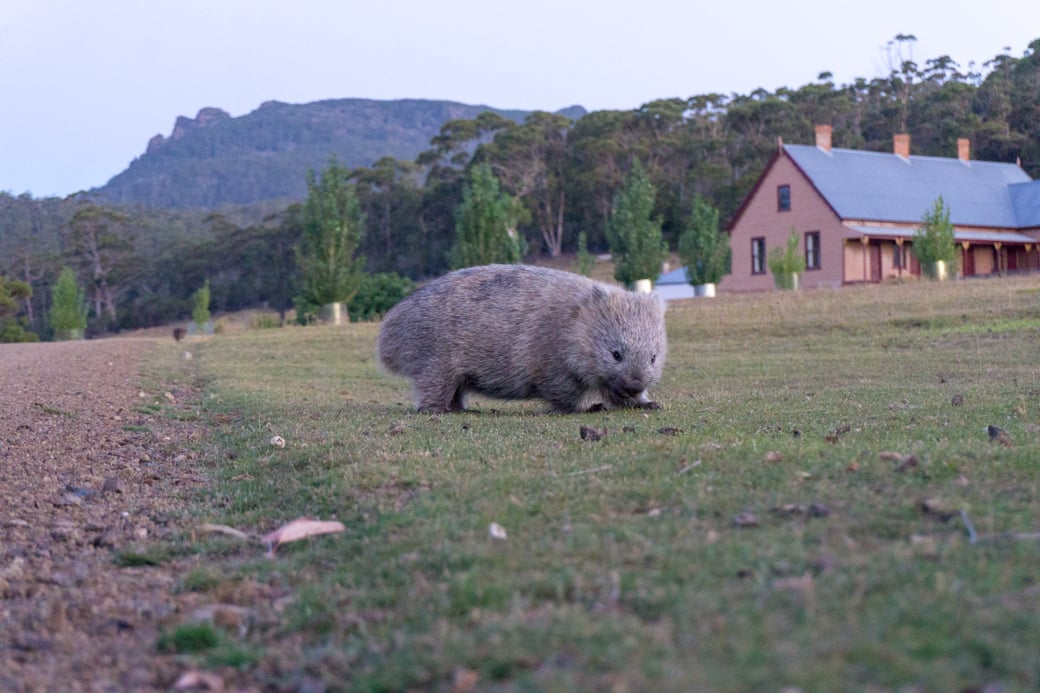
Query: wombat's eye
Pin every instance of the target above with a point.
(617, 355)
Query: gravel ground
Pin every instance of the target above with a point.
(87, 476)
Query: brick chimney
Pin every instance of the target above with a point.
(823, 137)
(901, 145)
(964, 149)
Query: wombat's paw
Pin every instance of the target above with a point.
(649, 404)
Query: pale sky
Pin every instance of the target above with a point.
(85, 83)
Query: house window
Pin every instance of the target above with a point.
(783, 198)
(758, 256)
(812, 250)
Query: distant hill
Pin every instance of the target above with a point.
(213, 159)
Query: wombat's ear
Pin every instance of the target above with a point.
(598, 296)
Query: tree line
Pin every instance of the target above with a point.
(559, 181)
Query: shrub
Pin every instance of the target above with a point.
(200, 310)
(68, 316)
(786, 262)
(934, 241)
(584, 261)
(702, 247)
(377, 294)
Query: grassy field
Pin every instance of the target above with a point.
(819, 505)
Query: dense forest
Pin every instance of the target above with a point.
(140, 264)
(214, 159)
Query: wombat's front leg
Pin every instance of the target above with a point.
(643, 402)
(640, 402)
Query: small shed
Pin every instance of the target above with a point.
(674, 285)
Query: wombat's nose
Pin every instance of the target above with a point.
(634, 386)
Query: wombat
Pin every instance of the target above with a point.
(522, 332)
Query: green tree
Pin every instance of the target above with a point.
(68, 316)
(333, 224)
(378, 294)
(786, 263)
(13, 295)
(702, 247)
(486, 223)
(634, 235)
(200, 309)
(584, 261)
(933, 241)
(104, 245)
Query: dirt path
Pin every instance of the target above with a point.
(88, 475)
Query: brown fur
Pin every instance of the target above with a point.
(522, 332)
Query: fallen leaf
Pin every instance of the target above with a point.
(853, 466)
(774, 456)
(905, 461)
(230, 617)
(670, 431)
(300, 529)
(497, 531)
(278, 441)
(202, 680)
(465, 680)
(207, 528)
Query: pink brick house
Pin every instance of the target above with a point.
(855, 213)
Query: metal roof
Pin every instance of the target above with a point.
(1026, 199)
(856, 231)
(891, 188)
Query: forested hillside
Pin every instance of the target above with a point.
(562, 171)
(213, 159)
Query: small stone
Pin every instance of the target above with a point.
(745, 520)
(592, 433)
(111, 485)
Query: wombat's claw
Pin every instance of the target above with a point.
(648, 405)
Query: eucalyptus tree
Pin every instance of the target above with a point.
(103, 244)
(530, 160)
(390, 197)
